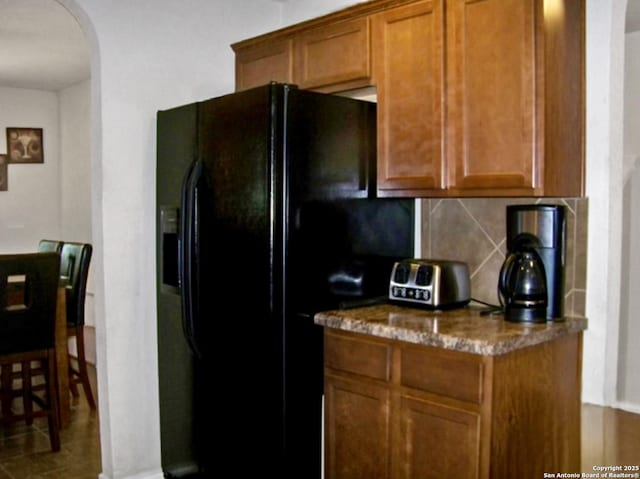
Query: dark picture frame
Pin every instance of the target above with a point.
(24, 145)
(4, 177)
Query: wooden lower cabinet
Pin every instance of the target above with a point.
(436, 441)
(403, 411)
(357, 429)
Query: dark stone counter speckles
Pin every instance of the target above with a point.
(463, 329)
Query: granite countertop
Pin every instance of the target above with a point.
(463, 329)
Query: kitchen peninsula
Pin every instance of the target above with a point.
(412, 393)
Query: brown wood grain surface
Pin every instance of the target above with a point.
(475, 98)
(62, 359)
(444, 413)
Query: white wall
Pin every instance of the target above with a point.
(75, 178)
(604, 66)
(632, 96)
(50, 200)
(629, 363)
(75, 154)
(300, 10)
(30, 209)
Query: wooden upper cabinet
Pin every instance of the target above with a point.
(480, 98)
(475, 97)
(494, 122)
(334, 57)
(326, 56)
(259, 64)
(563, 60)
(409, 66)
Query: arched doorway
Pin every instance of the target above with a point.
(49, 59)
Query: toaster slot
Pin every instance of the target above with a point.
(424, 275)
(401, 273)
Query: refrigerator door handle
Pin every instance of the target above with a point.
(189, 254)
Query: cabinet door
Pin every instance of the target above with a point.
(357, 429)
(408, 67)
(334, 57)
(436, 442)
(491, 96)
(260, 64)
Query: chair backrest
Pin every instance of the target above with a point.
(28, 313)
(74, 271)
(50, 245)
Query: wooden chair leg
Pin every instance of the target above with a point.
(82, 368)
(6, 389)
(52, 401)
(26, 392)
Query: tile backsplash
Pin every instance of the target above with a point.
(473, 230)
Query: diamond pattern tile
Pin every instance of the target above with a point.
(473, 230)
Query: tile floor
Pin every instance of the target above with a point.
(25, 451)
(609, 437)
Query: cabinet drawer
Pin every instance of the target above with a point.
(358, 356)
(455, 375)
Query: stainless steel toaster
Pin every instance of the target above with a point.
(436, 284)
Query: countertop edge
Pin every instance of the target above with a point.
(340, 320)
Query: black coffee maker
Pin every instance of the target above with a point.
(531, 282)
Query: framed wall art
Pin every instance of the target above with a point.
(3, 173)
(24, 145)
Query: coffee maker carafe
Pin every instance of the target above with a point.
(536, 237)
(523, 286)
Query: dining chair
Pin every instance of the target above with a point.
(50, 245)
(74, 271)
(28, 298)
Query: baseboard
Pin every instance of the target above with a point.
(628, 406)
(144, 475)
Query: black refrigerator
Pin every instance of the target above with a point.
(266, 214)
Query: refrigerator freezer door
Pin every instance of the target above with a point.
(189, 257)
(176, 146)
